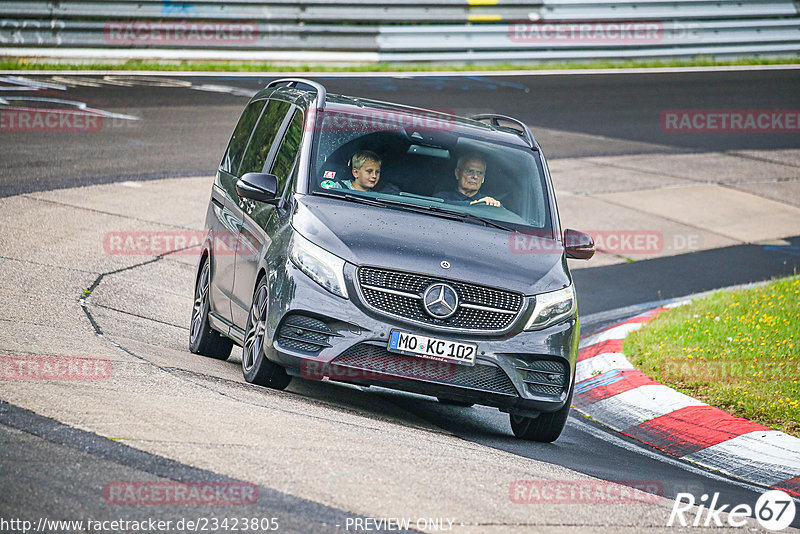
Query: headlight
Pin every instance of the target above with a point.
(320, 265)
(552, 307)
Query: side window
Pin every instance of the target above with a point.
(287, 153)
(257, 151)
(233, 155)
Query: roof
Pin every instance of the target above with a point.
(306, 98)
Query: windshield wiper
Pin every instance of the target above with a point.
(448, 214)
(466, 215)
(353, 198)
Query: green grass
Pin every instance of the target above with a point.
(736, 350)
(256, 67)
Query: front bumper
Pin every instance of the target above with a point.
(317, 335)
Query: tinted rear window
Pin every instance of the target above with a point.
(264, 135)
(241, 134)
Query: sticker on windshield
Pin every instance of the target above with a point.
(328, 184)
(329, 174)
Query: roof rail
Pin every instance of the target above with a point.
(494, 119)
(322, 93)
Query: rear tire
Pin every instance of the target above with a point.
(202, 338)
(256, 367)
(546, 428)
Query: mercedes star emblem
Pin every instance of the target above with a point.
(440, 301)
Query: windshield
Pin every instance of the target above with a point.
(429, 162)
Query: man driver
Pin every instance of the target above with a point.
(470, 174)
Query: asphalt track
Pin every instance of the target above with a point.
(71, 467)
(182, 133)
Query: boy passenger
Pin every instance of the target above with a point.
(366, 171)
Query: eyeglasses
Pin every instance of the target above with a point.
(473, 172)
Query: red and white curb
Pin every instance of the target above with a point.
(609, 389)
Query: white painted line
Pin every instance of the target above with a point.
(27, 84)
(215, 88)
(63, 105)
(608, 361)
(616, 332)
(638, 405)
(765, 456)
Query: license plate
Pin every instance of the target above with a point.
(432, 348)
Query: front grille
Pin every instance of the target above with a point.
(544, 377)
(545, 390)
(303, 333)
(400, 294)
(378, 360)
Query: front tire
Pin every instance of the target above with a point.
(546, 428)
(256, 367)
(202, 338)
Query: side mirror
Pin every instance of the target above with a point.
(258, 186)
(579, 246)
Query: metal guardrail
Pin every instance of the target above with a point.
(571, 10)
(398, 11)
(357, 12)
(427, 39)
(517, 37)
(400, 30)
(225, 36)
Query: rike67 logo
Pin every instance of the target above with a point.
(774, 510)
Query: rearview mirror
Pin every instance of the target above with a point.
(433, 132)
(258, 186)
(429, 151)
(579, 246)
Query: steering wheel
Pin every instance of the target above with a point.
(498, 198)
(502, 196)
